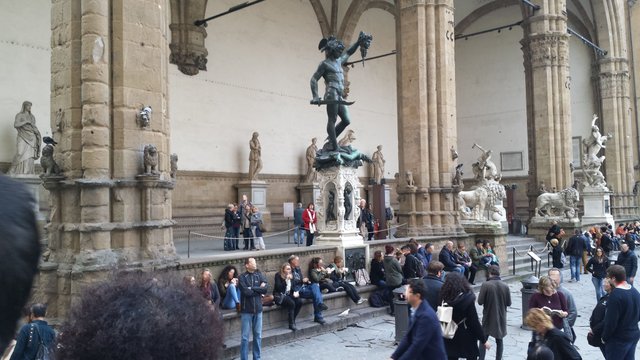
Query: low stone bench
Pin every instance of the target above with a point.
(275, 321)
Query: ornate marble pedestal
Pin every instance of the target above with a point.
(337, 207)
(597, 206)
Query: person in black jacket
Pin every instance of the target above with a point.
(605, 241)
(20, 249)
(228, 225)
(412, 266)
(556, 254)
(306, 289)
(285, 295)
(448, 259)
(575, 246)
(338, 276)
(33, 333)
(433, 283)
(550, 336)
(456, 291)
(596, 321)
(376, 272)
(597, 266)
(253, 285)
(629, 261)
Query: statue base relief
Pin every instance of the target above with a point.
(309, 192)
(256, 191)
(597, 206)
(337, 207)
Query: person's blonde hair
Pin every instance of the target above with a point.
(544, 282)
(554, 242)
(338, 259)
(536, 317)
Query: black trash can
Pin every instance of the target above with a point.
(529, 287)
(401, 312)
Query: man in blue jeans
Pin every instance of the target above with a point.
(298, 231)
(253, 285)
(303, 288)
(621, 333)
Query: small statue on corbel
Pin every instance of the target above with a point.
(150, 160)
(144, 116)
(174, 166)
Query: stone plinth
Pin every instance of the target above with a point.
(494, 231)
(539, 226)
(337, 209)
(256, 191)
(597, 207)
(309, 192)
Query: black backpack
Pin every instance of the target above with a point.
(44, 352)
(376, 299)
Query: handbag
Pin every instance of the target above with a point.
(447, 325)
(312, 228)
(362, 277)
(279, 298)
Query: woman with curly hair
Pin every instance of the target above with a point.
(457, 293)
(228, 286)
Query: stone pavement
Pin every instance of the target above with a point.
(374, 338)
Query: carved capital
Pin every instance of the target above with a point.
(187, 46)
(613, 85)
(546, 50)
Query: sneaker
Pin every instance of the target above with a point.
(339, 288)
(361, 301)
(324, 307)
(320, 321)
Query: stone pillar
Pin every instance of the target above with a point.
(546, 61)
(109, 59)
(426, 117)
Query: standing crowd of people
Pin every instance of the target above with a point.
(247, 217)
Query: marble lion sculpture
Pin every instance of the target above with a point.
(150, 159)
(474, 203)
(562, 202)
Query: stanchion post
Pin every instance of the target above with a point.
(513, 262)
(189, 245)
(288, 232)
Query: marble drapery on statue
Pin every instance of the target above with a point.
(331, 71)
(255, 157)
(310, 156)
(27, 142)
(378, 165)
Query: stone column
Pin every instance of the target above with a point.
(546, 61)
(109, 58)
(426, 116)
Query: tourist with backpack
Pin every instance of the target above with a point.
(35, 339)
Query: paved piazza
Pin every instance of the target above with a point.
(374, 338)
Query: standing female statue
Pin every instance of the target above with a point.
(255, 157)
(27, 142)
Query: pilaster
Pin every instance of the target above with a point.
(108, 62)
(426, 117)
(546, 58)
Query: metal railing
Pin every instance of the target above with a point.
(535, 265)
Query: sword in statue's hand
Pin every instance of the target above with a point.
(331, 102)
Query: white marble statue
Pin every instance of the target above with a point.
(591, 162)
(474, 204)
(255, 157)
(378, 165)
(310, 155)
(27, 142)
(560, 204)
(484, 168)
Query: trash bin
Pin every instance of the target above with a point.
(529, 287)
(401, 312)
